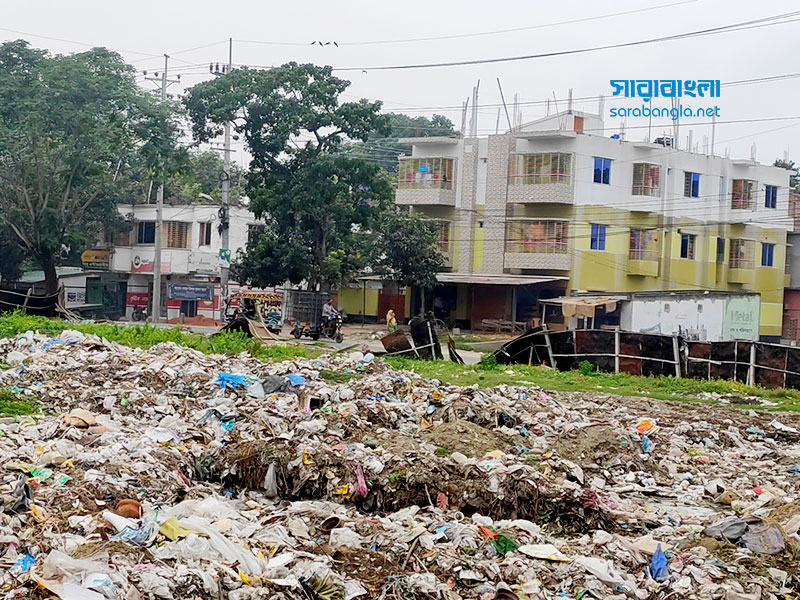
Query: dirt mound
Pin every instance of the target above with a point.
(462, 436)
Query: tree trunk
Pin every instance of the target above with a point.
(422, 309)
(48, 263)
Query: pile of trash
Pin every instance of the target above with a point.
(167, 473)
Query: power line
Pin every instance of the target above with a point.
(55, 39)
(477, 34)
(743, 25)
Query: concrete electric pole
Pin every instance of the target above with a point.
(225, 176)
(226, 193)
(164, 80)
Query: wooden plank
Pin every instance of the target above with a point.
(676, 353)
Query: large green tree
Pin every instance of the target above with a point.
(320, 205)
(384, 149)
(409, 252)
(66, 125)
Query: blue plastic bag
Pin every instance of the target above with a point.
(230, 380)
(296, 379)
(658, 565)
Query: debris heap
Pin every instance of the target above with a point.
(166, 473)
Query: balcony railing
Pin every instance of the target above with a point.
(741, 263)
(425, 184)
(538, 178)
(642, 254)
(537, 246)
(742, 204)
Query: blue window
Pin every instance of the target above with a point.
(602, 170)
(771, 196)
(687, 246)
(146, 233)
(691, 185)
(598, 237)
(767, 254)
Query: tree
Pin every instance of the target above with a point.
(384, 149)
(794, 177)
(409, 251)
(66, 124)
(11, 256)
(319, 205)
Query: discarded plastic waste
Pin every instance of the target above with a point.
(381, 485)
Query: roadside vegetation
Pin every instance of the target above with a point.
(144, 336)
(489, 374)
(15, 405)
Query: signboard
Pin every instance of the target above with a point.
(145, 265)
(190, 291)
(742, 318)
(204, 262)
(136, 299)
(224, 258)
(99, 260)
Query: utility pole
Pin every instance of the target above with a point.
(226, 193)
(225, 177)
(159, 205)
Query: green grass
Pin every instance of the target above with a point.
(336, 376)
(144, 336)
(478, 343)
(14, 405)
(663, 388)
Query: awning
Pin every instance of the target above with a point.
(484, 279)
(496, 279)
(584, 307)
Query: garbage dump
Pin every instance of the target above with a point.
(166, 473)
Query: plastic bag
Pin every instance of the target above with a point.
(229, 380)
(271, 482)
(658, 565)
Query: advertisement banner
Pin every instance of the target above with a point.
(99, 260)
(136, 299)
(190, 291)
(145, 265)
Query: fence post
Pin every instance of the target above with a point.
(549, 349)
(676, 353)
(616, 350)
(751, 372)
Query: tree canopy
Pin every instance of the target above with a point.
(384, 149)
(409, 251)
(66, 125)
(319, 205)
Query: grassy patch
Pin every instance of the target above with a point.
(13, 405)
(663, 388)
(336, 376)
(478, 343)
(144, 336)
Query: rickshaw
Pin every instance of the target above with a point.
(262, 307)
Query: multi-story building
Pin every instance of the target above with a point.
(555, 208)
(190, 261)
(791, 295)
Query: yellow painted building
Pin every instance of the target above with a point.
(556, 207)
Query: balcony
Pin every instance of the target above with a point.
(741, 274)
(426, 195)
(536, 193)
(642, 265)
(532, 244)
(537, 260)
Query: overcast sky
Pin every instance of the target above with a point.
(144, 30)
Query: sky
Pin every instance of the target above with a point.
(371, 34)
